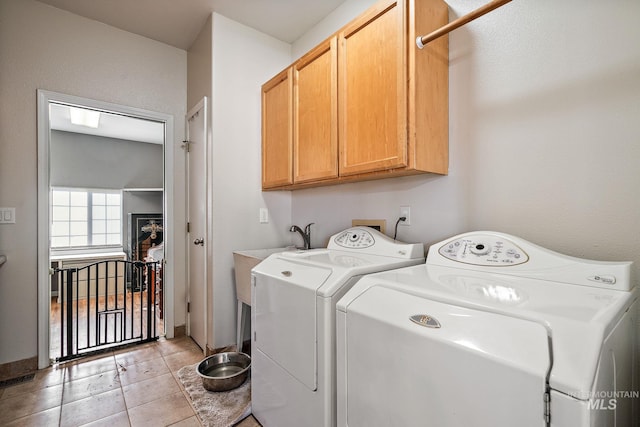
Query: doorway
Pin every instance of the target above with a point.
(108, 236)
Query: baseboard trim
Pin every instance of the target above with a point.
(18, 368)
(180, 331)
(211, 351)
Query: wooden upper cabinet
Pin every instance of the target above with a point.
(277, 147)
(315, 109)
(373, 91)
(428, 83)
(364, 104)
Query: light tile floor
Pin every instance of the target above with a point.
(137, 386)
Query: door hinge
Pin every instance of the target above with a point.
(186, 145)
(547, 407)
(188, 227)
(188, 307)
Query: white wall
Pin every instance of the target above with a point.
(199, 65)
(80, 160)
(341, 16)
(45, 48)
(543, 135)
(243, 59)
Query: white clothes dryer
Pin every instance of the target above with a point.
(293, 304)
(493, 331)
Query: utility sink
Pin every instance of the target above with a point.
(243, 262)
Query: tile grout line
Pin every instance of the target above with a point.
(112, 354)
(126, 407)
(184, 392)
(64, 379)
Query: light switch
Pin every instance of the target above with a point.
(7, 215)
(264, 216)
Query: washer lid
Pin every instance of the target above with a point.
(343, 265)
(469, 367)
(577, 318)
(294, 271)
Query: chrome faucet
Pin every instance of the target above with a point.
(306, 234)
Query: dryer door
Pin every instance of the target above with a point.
(284, 315)
(476, 368)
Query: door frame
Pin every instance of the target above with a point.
(43, 266)
(202, 105)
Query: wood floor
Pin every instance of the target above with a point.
(103, 320)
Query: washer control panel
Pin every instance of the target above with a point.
(500, 253)
(484, 250)
(355, 238)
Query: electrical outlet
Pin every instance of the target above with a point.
(405, 211)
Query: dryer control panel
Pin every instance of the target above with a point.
(366, 240)
(484, 250)
(355, 238)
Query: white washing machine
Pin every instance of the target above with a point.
(492, 331)
(293, 305)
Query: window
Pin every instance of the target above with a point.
(82, 218)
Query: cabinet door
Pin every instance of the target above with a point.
(373, 91)
(277, 152)
(315, 109)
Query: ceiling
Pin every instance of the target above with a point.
(178, 22)
(109, 125)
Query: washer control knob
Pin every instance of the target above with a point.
(480, 249)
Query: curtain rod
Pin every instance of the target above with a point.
(421, 41)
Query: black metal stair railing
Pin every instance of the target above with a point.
(100, 308)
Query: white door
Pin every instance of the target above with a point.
(197, 153)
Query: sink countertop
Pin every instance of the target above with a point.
(244, 261)
(262, 253)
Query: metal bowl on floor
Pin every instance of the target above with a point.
(224, 371)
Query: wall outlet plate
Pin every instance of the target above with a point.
(405, 211)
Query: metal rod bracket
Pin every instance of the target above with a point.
(421, 41)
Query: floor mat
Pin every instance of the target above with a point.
(219, 409)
